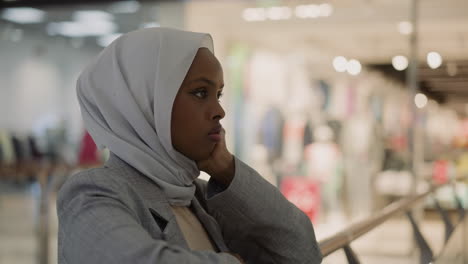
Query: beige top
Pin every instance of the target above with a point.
(194, 233)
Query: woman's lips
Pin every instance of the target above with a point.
(215, 133)
(215, 137)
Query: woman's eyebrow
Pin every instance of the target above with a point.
(206, 80)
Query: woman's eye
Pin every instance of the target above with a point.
(220, 95)
(200, 94)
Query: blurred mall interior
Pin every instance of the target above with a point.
(345, 106)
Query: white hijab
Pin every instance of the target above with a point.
(126, 96)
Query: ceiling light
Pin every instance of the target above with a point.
(307, 11)
(405, 27)
(353, 67)
(420, 100)
(434, 60)
(279, 13)
(301, 11)
(23, 15)
(254, 14)
(313, 11)
(92, 15)
(325, 10)
(400, 63)
(340, 63)
(81, 29)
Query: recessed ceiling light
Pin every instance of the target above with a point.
(353, 67)
(339, 63)
(92, 15)
(405, 27)
(23, 15)
(420, 100)
(81, 28)
(434, 60)
(400, 62)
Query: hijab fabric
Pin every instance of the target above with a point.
(126, 96)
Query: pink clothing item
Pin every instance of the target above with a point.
(88, 151)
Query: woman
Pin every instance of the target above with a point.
(152, 98)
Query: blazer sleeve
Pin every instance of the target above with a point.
(259, 223)
(95, 226)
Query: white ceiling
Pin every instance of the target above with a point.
(362, 29)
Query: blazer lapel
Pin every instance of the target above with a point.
(210, 224)
(166, 221)
(161, 212)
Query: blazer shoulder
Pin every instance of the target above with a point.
(92, 182)
(97, 176)
(124, 184)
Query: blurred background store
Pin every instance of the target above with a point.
(321, 98)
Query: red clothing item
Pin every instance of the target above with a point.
(88, 151)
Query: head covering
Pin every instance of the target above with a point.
(126, 96)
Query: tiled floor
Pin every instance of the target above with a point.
(18, 218)
(19, 239)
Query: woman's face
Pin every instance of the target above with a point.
(195, 127)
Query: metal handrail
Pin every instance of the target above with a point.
(344, 238)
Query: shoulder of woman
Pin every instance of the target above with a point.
(127, 186)
(99, 177)
(97, 182)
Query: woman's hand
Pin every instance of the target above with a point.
(220, 164)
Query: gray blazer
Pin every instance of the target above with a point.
(116, 215)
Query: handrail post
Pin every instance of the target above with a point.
(445, 218)
(460, 208)
(426, 252)
(345, 237)
(350, 255)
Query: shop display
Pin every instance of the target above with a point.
(324, 166)
(271, 133)
(304, 193)
(367, 118)
(6, 144)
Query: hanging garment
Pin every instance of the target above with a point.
(271, 133)
(88, 151)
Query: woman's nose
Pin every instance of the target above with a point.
(218, 112)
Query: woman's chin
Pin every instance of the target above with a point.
(201, 155)
(206, 154)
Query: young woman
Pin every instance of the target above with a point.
(152, 99)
